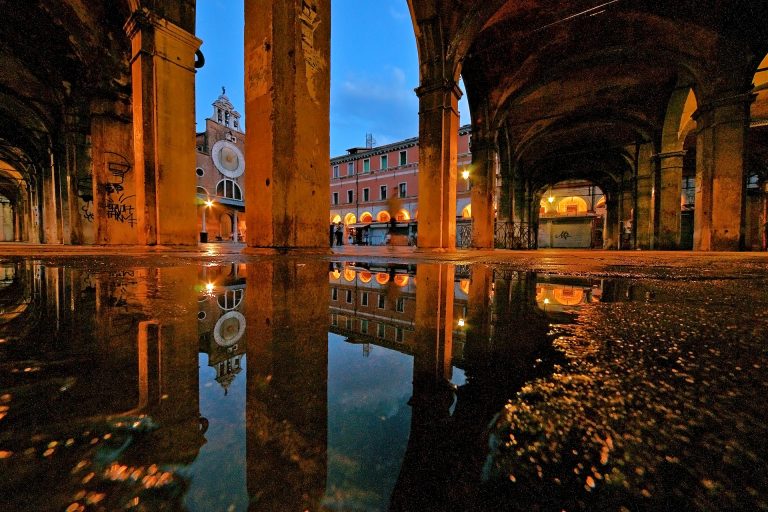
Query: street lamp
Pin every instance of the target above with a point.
(465, 174)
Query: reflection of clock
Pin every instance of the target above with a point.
(228, 159)
(229, 329)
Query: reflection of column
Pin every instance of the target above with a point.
(168, 370)
(434, 323)
(287, 99)
(478, 324)
(163, 78)
(720, 186)
(235, 231)
(669, 199)
(287, 380)
(438, 139)
(418, 487)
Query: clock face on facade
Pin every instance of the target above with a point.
(228, 159)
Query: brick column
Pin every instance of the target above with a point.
(438, 139)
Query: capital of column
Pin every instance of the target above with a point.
(443, 86)
(669, 154)
(145, 22)
(483, 144)
(709, 107)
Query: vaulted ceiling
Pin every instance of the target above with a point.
(587, 76)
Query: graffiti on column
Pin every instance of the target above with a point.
(85, 191)
(118, 205)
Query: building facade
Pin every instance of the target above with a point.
(220, 173)
(372, 187)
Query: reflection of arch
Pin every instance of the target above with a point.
(600, 203)
(229, 329)
(202, 191)
(335, 219)
(349, 274)
(568, 296)
(401, 280)
(230, 299)
(350, 218)
(366, 218)
(572, 205)
(466, 213)
(366, 277)
(403, 215)
(335, 274)
(383, 216)
(464, 285)
(382, 278)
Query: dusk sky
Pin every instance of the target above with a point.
(374, 68)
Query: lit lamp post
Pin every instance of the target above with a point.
(203, 229)
(465, 175)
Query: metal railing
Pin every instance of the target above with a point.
(507, 235)
(515, 235)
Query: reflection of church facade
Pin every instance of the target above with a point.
(221, 324)
(220, 175)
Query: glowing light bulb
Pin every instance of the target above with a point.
(209, 287)
(465, 174)
(209, 203)
(551, 199)
(461, 322)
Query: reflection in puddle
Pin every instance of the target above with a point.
(287, 385)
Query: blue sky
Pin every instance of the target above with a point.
(374, 68)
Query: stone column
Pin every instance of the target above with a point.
(484, 162)
(18, 211)
(645, 200)
(287, 102)
(163, 79)
(611, 229)
(51, 209)
(720, 185)
(3, 207)
(671, 189)
(113, 211)
(763, 222)
(438, 140)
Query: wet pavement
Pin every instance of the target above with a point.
(383, 380)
